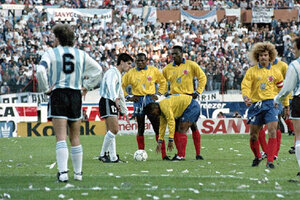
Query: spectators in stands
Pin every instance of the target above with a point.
(220, 48)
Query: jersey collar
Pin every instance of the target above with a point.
(138, 69)
(269, 66)
(183, 61)
(275, 61)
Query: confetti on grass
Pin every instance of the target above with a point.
(280, 196)
(47, 189)
(61, 196)
(169, 170)
(185, 171)
(84, 194)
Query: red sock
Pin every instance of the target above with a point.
(254, 145)
(176, 137)
(141, 142)
(197, 141)
(163, 147)
(278, 137)
(182, 140)
(289, 125)
(272, 147)
(262, 140)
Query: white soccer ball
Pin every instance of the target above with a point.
(140, 155)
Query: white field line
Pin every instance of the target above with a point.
(228, 176)
(201, 189)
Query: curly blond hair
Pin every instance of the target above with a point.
(261, 47)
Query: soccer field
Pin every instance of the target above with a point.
(226, 172)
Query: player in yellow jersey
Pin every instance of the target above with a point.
(143, 79)
(259, 87)
(282, 67)
(178, 106)
(180, 75)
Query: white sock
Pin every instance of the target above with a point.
(106, 143)
(112, 150)
(76, 156)
(62, 156)
(297, 152)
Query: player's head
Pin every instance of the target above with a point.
(296, 43)
(152, 109)
(141, 60)
(64, 34)
(262, 53)
(177, 54)
(124, 62)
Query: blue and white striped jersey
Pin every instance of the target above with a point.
(111, 87)
(66, 67)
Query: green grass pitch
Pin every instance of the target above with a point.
(226, 172)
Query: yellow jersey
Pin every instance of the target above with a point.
(171, 108)
(262, 83)
(143, 81)
(282, 66)
(181, 78)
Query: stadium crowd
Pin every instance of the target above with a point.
(220, 48)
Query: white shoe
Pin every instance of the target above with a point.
(62, 176)
(78, 176)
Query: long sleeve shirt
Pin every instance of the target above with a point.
(171, 108)
(143, 81)
(291, 83)
(181, 78)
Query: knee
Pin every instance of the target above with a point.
(114, 130)
(194, 127)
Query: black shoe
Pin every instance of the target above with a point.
(177, 158)
(256, 162)
(295, 180)
(291, 133)
(263, 155)
(292, 150)
(62, 176)
(118, 160)
(166, 158)
(199, 157)
(104, 158)
(275, 157)
(270, 165)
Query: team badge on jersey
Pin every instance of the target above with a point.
(178, 80)
(270, 78)
(149, 78)
(185, 72)
(263, 86)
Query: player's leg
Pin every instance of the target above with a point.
(254, 143)
(109, 143)
(76, 148)
(155, 124)
(262, 141)
(62, 152)
(182, 139)
(197, 140)
(141, 129)
(272, 143)
(109, 112)
(296, 123)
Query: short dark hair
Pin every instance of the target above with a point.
(297, 42)
(124, 57)
(178, 47)
(141, 54)
(65, 34)
(150, 107)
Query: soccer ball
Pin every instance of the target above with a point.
(140, 155)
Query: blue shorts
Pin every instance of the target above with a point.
(262, 112)
(191, 113)
(139, 106)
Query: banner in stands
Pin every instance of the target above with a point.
(262, 15)
(148, 13)
(11, 114)
(65, 14)
(233, 12)
(26, 97)
(210, 17)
